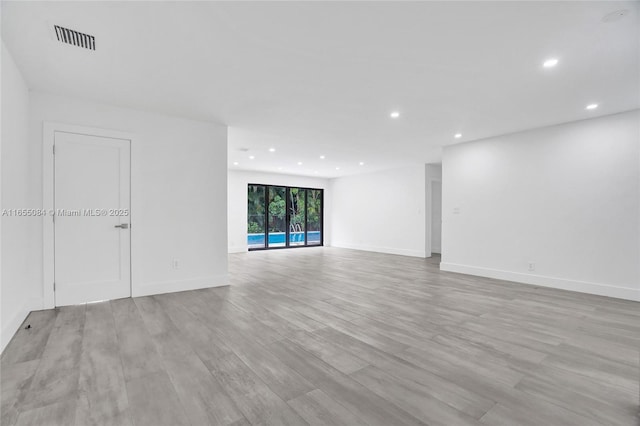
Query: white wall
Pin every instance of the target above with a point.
(178, 190)
(237, 201)
(565, 197)
(19, 279)
(382, 212)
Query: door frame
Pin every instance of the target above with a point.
(48, 196)
(432, 182)
(428, 213)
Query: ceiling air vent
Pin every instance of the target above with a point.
(75, 38)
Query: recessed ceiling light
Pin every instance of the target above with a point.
(550, 63)
(457, 135)
(592, 106)
(251, 157)
(279, 168)
(315, 171)
(299, 163)
(394, 114)
(272, 150)
(362, 163)
(235, 163)
(337, 168)
(322, 157)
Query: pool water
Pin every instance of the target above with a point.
(279, 238)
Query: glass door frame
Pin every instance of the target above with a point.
(288, 217)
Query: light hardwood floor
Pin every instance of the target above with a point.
(327, 336)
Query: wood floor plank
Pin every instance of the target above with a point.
(319, 410)
(16, 379)
(568, 381)
(530, 412)
(603, 348)
(462, 399)
(137, 350)
(450, 360)
(56, 377)
(333, 355)
(280, 378)
(261, 300)
(352, 345)
(203, 398)
(242, 422)
(485, 355)
(102, 397)
(29, 343)
(371, 337)
(514, 334)
(259, 404)
(154, 401)
(203, 340)
(411, 397)
(60, 413)
(510, 350)
(590, 365)
(232, 317)
(405, 335)
(320, 313)
(575, 401)
(265, 316)
(356, 398)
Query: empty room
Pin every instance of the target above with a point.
(320, 213)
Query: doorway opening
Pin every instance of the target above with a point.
(284, 217)
(436, 217)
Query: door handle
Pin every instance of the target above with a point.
(123, 226)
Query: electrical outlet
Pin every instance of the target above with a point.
(175, 264)
(531, 266)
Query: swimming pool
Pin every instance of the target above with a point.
(279, 238)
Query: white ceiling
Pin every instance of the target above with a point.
(313, 78)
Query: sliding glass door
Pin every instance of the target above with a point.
(280, 217)
(277, 216)
(314, 217)
(255, 217)
(297, 217)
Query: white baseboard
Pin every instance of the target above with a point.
(388, 250)
(545, 281)
(148, 289)
(10, 327)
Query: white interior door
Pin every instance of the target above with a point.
(91, 230)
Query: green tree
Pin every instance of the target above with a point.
(277, 211)
(254, 228)
(297, 207)
(313, 210)
(255, 209)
